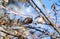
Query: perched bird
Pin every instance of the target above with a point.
(53, 7)
(40, 20)
(18, 22)
(11, 23)
(28, 0)
(3, 22)
(21, 0)
(28, 20)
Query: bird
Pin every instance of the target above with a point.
(18, 22)
(11, 23)
(27, 20)
(40, 20)
(21, 0)
(3, 22)
(53, 7)
(28, 0)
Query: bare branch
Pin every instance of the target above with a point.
(8, 33)
(46, 33)
(44, 16)
(57, 4)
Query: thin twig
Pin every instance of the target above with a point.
(53, 25)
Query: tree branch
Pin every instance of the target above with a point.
(44, 16)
